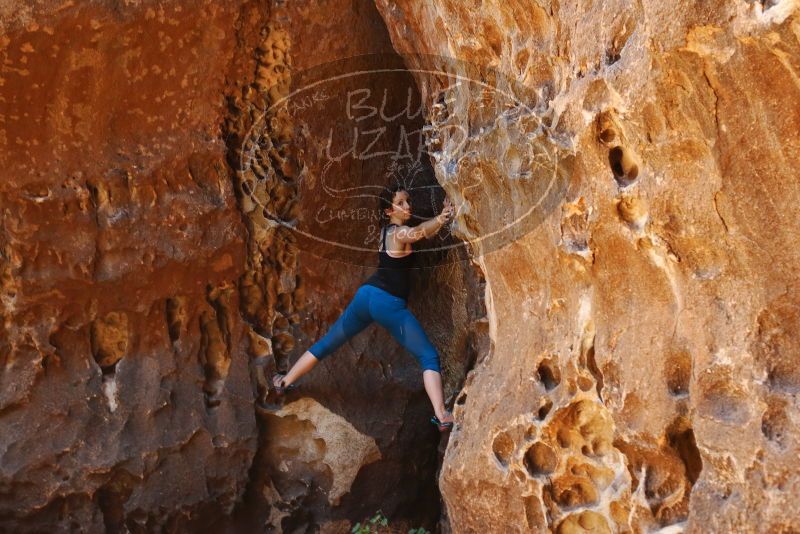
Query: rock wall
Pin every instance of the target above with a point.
(123, 398)
(625, 183)
(151, 284)
(642, 371)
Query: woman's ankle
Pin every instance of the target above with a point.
(444, 415)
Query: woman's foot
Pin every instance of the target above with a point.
(444, 423)
(280, 388)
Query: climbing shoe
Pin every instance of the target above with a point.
(280, 389)
(443, 426)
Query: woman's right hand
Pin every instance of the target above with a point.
(447, 211)
(426, 229)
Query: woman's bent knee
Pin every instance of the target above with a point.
(319, 350)
(430, 361)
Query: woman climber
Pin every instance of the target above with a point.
(382, 298)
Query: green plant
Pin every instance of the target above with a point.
(368, 525)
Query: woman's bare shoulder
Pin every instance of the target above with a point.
(399, 235)
(406, 234)
(399, 228)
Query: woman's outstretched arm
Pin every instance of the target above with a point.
(412, 234)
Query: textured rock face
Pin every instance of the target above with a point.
(643, 367)
(633, 214)
(147, 295)
(122, 391)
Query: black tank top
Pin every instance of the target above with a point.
(392, 274)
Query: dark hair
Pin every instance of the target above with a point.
(385, 200)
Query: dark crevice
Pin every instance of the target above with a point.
(549, 374)
(684, 443)
(623, 165)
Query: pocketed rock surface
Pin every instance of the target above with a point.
(122, 394)
(633, 330)
(643, 374)
(147, 299)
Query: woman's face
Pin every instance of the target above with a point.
(401, 206)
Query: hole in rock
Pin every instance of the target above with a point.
(176, 317)
(685, 445)
(678, 372)
(571, 491)
(612, 56)
(584, 522)
(623, 165)
(503, 447)
(247, 187)
(605, 126)
(111, 498)
(765, 4)
(109, 338)
(549, 374)
(775, 423)
(585, 383)
(776, 345)
(591, 364)
(721, 398)
(540, 459)
(215, 340)
(544, 410)
(608, 135)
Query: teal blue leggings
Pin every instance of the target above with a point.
(372, 303)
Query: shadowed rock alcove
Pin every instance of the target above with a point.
(356, 436)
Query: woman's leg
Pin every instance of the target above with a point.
(391, 313)
(352, 320)
(433, 386)
(300, 367)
